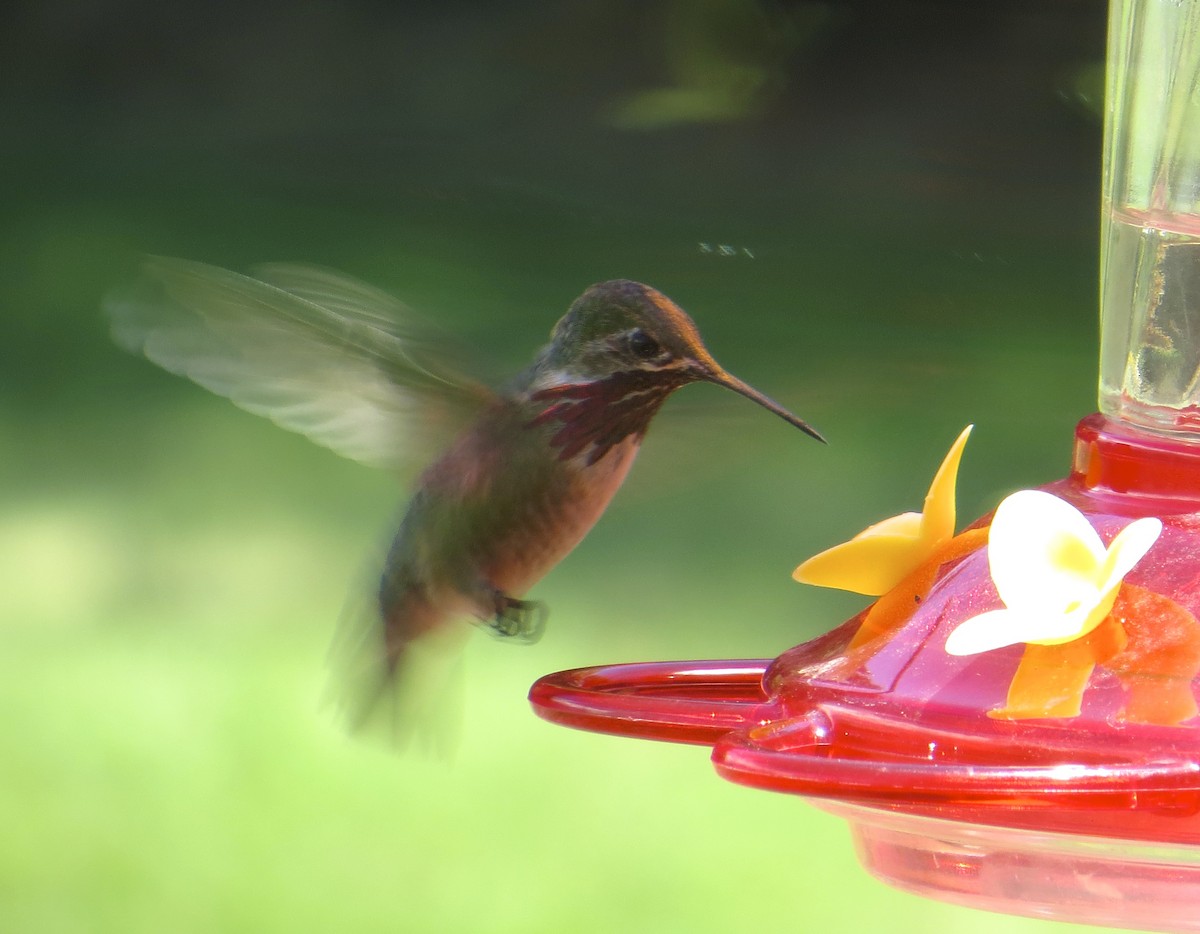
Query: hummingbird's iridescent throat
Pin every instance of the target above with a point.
(604, 412)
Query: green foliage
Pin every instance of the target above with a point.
(912, 242)
(174, 568)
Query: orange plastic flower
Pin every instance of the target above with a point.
(883, 555)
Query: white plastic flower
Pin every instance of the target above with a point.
(1057, 580)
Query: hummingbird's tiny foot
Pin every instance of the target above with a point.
(523, 619)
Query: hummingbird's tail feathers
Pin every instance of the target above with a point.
(404, 694)
(316, 352)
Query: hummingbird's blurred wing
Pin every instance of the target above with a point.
(315, 351)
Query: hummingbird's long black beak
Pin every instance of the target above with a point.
(729, 381)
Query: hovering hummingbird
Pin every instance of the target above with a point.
(521, 483)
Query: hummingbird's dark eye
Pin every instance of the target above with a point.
(642, 345)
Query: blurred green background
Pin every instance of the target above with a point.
(909, 190)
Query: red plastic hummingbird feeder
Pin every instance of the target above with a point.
(1058, 775)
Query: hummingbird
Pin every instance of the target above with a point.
(530, 469)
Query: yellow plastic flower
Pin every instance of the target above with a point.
(880, 557)
(1057, 580)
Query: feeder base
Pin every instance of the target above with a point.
(1065, 877)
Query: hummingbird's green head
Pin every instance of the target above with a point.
(617, 353)
(620, 326)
